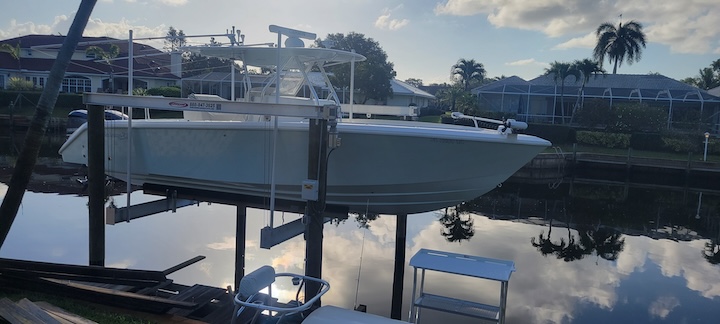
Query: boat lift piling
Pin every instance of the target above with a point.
(96, 184)
(399, 269)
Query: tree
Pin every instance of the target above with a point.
(174, 39)
(414, 82)
(624, 43)
(707, 79)
(448, 97)
(31, 147)
(107, 56)
(372, 76)
(587, 68)
(559, 71)
(14, 51)
(467, 71)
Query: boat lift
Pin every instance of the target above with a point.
(326, 115)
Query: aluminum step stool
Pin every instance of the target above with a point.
(465, 265)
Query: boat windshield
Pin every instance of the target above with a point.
(290, 83)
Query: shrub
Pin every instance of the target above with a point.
(165, 92)
(20, 84)
(611, 140)
(594, 113)
(637, 117)
(680, 144)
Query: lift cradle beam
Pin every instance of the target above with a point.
(328, 112)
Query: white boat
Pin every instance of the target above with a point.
(389, 167)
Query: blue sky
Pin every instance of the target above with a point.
(423, 38)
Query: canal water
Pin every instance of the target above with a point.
(589, 247)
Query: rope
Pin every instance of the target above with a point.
(362, 250)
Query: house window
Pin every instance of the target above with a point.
(76, 84)
(38, 82)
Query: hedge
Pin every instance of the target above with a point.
(611, 140)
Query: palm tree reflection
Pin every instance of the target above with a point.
(544, 244)
(711, 253)
(456, 228)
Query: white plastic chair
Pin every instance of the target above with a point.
(251, 285)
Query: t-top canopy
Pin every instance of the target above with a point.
(267, 56)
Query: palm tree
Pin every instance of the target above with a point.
(560, 71)
(31, 147)
(106, 56)
(450, 96)
(587, 68)
(465, 71)
(624, 43)
(707, 79)
(14, 52)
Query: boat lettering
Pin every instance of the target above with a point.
(205, 105)
(177, 104)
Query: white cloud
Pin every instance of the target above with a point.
(587, 41)
(385, 22)
(685, 26)
(174, 2)
(662, 306)
(530, 61)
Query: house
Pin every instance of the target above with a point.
(87, 73)
(405, 95)
(541, 100)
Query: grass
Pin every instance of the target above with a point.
(94, 312)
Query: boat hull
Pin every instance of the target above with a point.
(390, 168)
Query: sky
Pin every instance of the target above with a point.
(422, 38)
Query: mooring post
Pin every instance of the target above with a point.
(240, 230)
(96, 184)
(399, 272)
(317, 170)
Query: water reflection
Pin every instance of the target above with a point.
(587, 250)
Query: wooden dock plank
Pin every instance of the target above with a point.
(38, 312)
(15, 314)
(63, 315)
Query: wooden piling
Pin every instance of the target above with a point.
(240, 230)
(399, 272)
(96, 185)
(317, 170)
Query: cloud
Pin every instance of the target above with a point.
(228, 243)
(530, 61)
(587, 41)
(684, 26)
(662, 306)
(385, 22)
(174, 2)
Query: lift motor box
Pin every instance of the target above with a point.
(310, 190)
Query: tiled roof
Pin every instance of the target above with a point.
(148, 61)
(402, 88)
(649, 86)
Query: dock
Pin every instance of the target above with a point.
(145, 291)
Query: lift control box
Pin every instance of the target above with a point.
(310, 190)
